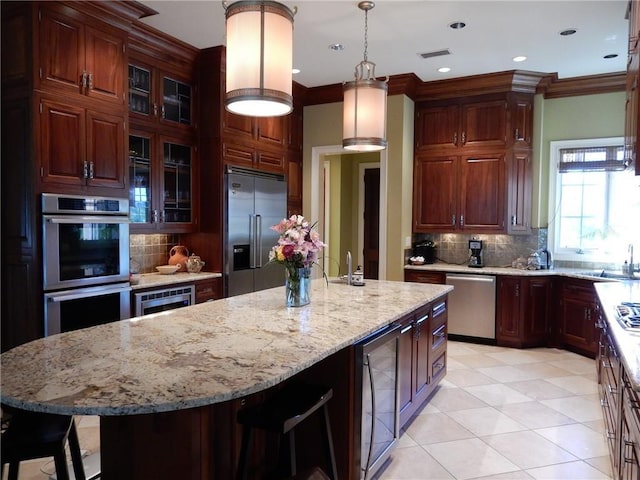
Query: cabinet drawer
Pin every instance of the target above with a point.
(439, 366)
(579, 289)
(207, 290)
(439, 336)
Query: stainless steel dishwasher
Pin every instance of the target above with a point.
(472, 305)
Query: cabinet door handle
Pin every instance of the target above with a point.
(91, 169)
(462, 220)
(464, 138)
(163, 216)
(156, 216)
(453, 220)
(516, 136)
(155, 109)
(83, 81)
(514, 220)
(85, 169)
(455, 138)
(406, 329)
(162, 111)
(517, 290)
(90, 82)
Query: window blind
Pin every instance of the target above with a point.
(592, 159)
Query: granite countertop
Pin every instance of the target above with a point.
(586, 273)
(158, 280)
(628, 343)
(202, 354)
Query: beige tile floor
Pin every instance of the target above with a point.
(500, 413)
(507, 414)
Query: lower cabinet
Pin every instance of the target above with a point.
(522, 311)
(421, 357)
(208, 290)
(620, 408)
(422, 276)
(577, 316)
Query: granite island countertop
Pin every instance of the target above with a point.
(627, 342)
(202, 354)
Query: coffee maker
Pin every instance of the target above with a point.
(475, 249)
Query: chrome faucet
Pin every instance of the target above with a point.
(349, 268)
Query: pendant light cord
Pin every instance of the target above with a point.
(366, 33)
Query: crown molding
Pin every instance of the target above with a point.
(509, 81)
(553, 87)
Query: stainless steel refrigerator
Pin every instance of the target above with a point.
(254, 202)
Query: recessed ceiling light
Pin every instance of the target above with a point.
(336, 47)
(295, 71)
(457, 25)
(611, 55)
(568, 31)
(519, 58)
(444, 69)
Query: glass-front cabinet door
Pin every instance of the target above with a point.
(161, 175)
(177, 182)
(156, 97)
(140, 100)
(140, 179)
(176, 101)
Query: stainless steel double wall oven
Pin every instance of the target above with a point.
(85, 261)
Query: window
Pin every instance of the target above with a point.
(594, 202)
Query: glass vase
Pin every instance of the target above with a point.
(298, 281)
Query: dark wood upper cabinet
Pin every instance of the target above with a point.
(483, 124)
(437, 127)
(472, 169)
(80, 56)
(459, 193)
(79, 146)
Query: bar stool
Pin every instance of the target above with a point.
(281, 414)
(35, 435)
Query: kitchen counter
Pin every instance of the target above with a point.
(158, 280)
(628, 343)
(561, 271)
(199, 355)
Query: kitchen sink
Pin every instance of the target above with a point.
(608, 275)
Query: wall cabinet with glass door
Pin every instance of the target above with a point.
(161, 178)
(158, 97)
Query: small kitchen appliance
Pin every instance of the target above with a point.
(475, 249)
(426, 250)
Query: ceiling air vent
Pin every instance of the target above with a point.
(436, 53)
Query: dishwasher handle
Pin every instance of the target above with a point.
(472, 278)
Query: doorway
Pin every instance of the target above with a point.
(369, 212)
(317, 197)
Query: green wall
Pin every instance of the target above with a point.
(569, 118)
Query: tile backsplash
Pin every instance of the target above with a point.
(498, 250)
(151, 250)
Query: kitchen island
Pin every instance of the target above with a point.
(178, 377)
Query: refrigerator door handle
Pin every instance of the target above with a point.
(258, 249)
(252, 239)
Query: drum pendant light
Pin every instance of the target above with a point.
(365, 104)
(259, 58)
